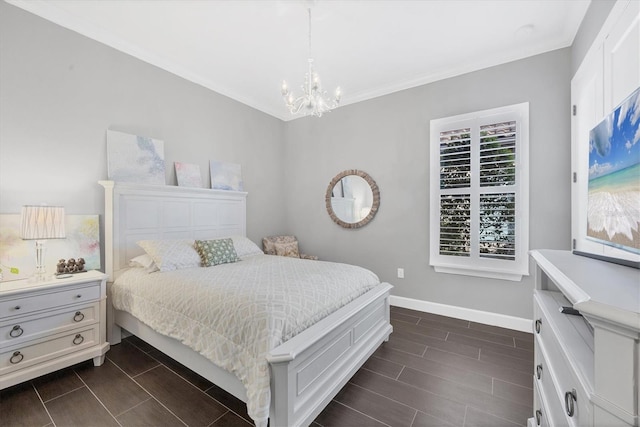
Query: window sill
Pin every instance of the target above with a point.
(477, 272)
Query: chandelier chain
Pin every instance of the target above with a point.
(309, 13)
(314, 101)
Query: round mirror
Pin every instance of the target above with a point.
(352, 198)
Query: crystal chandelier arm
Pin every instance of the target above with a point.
(314, 101)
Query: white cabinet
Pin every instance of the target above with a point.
(51, 324)
(586, 366)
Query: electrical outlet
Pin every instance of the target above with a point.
(401, 273)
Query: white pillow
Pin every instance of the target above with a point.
(245, 247)
(144, 261)
(169, 255)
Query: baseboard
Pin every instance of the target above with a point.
(486, 317)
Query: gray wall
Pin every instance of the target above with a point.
(388, 137)
(60, 91)
(588, 31)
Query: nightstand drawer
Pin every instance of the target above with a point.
(18, 357)
(27, 328)
(48, 300)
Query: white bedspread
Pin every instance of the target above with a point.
(234, 314)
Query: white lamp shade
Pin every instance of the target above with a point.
(42, 222)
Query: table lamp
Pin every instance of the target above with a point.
(41, 223)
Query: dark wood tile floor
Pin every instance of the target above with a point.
(434, 371)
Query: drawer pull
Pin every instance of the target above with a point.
(538, 324)
(78, 296)
(539, 371)
(16, 358)
(78, 317)
(17, 307)
(78, 339)
(538, 417)
(569, 398)
(16, 331)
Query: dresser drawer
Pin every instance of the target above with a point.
(540, 415)
(563, 391)
(48, 300)
(27, 328)
(17, 357)
(554, 413)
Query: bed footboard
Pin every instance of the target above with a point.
(310, 369)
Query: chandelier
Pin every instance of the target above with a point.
(313, 101)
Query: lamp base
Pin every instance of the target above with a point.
(41, 269)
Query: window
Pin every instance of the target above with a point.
(480, 193)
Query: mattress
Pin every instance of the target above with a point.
(234, 314)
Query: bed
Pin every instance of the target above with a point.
(304, 372)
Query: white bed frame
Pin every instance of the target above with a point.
(308, 370)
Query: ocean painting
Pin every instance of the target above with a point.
(613, 205)
(132, 158)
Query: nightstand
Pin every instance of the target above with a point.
(51, 324)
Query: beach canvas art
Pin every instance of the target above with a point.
(133, 158)
(188, 175)
(613, 204)
(82, 241)
(226, 176)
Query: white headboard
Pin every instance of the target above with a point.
(134, 212)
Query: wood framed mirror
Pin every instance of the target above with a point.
(352, 198)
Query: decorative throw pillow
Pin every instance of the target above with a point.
(289, 249)
(214, 252)
(269, 243)
(171, 254)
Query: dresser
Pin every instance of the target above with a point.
(586, 366)
(50, 324)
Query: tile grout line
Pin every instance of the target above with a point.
(466, 411)
(403, 403)
(494, 415)
(196, 387)
(134, 406)
(225, 406)
(62, 395)
(449, 366)
(362, 413)
(397, 376)
(96, 397)
(184, 379)
(42, 402)
(216, 420)
(148, 392)
(414, 418)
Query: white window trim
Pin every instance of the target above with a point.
(474, 265)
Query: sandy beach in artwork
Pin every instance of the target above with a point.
(614, 213)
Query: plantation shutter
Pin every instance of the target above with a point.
(497, 151)
(479, 200)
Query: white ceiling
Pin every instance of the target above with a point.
(244, 49)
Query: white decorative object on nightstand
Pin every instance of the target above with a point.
(51, 324)
(586, 367)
